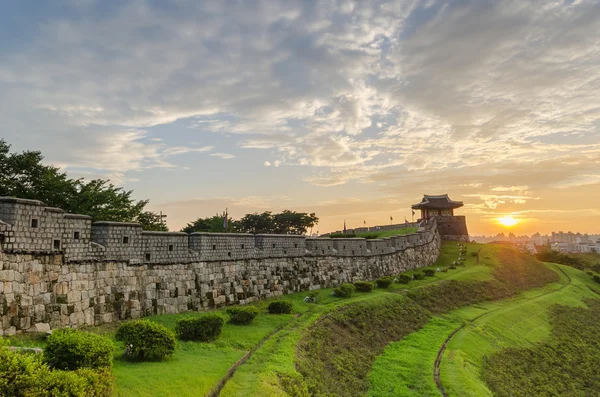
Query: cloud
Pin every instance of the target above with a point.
(224, 156)
(493, 200)
(496, 99)
(579, 180)
(510, 188)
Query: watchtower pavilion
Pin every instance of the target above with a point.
(441, 207)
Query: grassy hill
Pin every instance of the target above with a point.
(379, 343)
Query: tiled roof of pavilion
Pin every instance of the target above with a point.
(437, 202)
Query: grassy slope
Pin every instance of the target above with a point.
(566, 364)
(259, 376)
(516, 325)
(195, 367)
(406, 367)
(332, 357)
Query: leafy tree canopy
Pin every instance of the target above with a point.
(213, 224)
(24, 175)
(286, 222)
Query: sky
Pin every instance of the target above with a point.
(349, 109)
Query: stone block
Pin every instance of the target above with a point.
(42, 327)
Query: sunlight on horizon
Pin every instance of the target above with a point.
(507, 221)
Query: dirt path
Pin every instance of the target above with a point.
(440, 354)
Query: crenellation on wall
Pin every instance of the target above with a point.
(350, 246)
(223, 246)
(280, 245)
(122, 240)
(165, 247)
(320, 246)
(80, 240)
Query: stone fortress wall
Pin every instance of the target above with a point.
(59, 269)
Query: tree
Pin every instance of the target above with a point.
(286, 222)
(258, 223)
(23, 175)
(213, 224)
(152, 221)
(291, 222)
(101, 200)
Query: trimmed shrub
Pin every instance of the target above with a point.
(204, 329)
(452, 267)
(404, 279)
(70, 349)
(384, 282)
(597, 278)
(429, 272)
(280, 307)
(445, 270)
(363, 286)
(344, 291)
(419, 276)
(83, 382)
(146, 340)
(312, 297)
(242, 314)
(348, 289)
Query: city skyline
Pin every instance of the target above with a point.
(351, 110)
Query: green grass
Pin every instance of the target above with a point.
(518, 324)
(406, 367)
(565, 364)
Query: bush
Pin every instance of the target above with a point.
(146, 340)
(404, 279)
(452, 267)
(312, 297)
(384, 282)
(344, 291)
(419, 276)
(70, 349)
(280, 307)
(25, 374)
(204, 329)
(445, 270)
(348, 289)
(84, 382)
(597, 278)
(242, 314)
(590, 273)
(363, 286)
(429, 272)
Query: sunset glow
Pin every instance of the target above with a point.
(508, 221)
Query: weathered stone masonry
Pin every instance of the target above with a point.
(59, 269)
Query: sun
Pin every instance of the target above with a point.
(508, 221)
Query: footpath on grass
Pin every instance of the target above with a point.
(407, 367)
